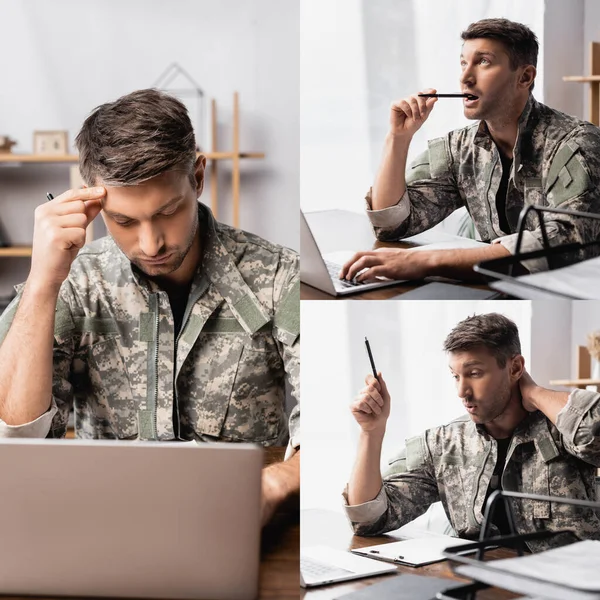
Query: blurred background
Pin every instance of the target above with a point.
(406, 340)
(61, 59)
(357, 56)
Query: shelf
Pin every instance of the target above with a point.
(575, 382)
(8, 157)
(583, 78)
(24, 251)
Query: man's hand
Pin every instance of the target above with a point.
(280, 481)
(393, 263)
(528, 389)
(408, 115)
(371, 408)
(59, 233)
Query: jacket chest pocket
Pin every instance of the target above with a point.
(536, 479)
(243, 389)
(113, 413)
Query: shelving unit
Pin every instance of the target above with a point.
(593, 79)
(213, 157)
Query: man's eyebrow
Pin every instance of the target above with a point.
(479, 53)
(468, 364)
(167, 205)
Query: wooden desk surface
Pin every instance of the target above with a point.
(337, 230)
(325, 527)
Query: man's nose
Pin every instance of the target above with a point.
(463, 389)
(467, 77)
(151, 240)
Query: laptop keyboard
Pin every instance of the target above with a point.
(318, 570)
(334, 273)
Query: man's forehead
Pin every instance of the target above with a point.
(484, 46)
(478, 355)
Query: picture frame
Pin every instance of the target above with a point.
(50, 142)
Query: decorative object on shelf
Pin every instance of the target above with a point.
(6, 143)
(179, 83)
(50, 142)
(593, 346)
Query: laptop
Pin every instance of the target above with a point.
(130, 519)
(322, 271)
(320, 565)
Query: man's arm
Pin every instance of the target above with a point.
(280, 481)
(375, 505)
(416, 264)
(576, 415)
(26, 354)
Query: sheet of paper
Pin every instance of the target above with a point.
(581, 281)
(574, 567)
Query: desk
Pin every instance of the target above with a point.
(342, 230)
(332, 529)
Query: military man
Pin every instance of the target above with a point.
(173, 327)
(516, 436)
(520, 152)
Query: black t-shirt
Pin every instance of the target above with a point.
(502, 190)
(500, 520)
(178, 300)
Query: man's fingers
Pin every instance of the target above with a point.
(367, 401)
(70, 220)
(80, 194)
(413, 101)
(92, 209)
(375, 395)
(346, 266)
(363, 263)
(375, 271)
(72, 237)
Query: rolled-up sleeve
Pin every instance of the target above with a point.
(39, 428)
(409, 489)
(579, 425)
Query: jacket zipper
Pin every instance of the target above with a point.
(156, 327)
(475, 522)
(487, 194)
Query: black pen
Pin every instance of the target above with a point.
(467, 96)
(371, 358)
(49, 196)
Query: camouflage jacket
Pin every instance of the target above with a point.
(455, 463)
(556, 163)
(116, 360)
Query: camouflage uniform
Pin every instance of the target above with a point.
(556, 163)
(117, 362)
(455, 463)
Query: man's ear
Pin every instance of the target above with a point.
(527, 76)
(199, 174)
(517, 367)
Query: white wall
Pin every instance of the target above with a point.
(62, 58)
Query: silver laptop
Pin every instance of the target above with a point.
(129, 519)
(320, 565)
(322, 271)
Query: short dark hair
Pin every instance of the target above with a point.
(520, 42)
(494, 331)
(135, 138)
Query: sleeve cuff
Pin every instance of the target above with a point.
(529, 243)
(38, 428)
(580, 402)
(391, 217)
(292, 447)
(367, 512)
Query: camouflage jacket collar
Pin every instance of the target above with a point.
(217, 268)
(532, 429)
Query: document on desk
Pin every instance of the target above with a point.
(414, 552)
(579, 281)
(566, 573)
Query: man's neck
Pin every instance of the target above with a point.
(503, 426)
(504, 129)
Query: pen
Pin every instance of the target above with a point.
(467, 96)
(49, 196)
(371, 358)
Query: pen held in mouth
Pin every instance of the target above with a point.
(467, 96)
